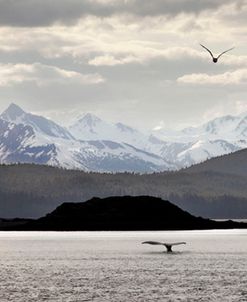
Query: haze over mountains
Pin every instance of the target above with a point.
(91, 144)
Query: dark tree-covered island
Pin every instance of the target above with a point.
(124, 213)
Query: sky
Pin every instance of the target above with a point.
(134, 61)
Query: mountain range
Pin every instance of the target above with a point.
(92, 144)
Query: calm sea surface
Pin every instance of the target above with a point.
(115, 266)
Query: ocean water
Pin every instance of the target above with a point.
(115, 266)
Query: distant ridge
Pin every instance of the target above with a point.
(234, 163)
(93, 144)
(215, 190)
(29, 138)
(124, 213)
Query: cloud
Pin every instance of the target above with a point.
(237, 77)
(142, 54)
(118, 41)
(43, 75)
(234, 60)
(45, 12)
(140, 47)
(225, 107)
(109, 60)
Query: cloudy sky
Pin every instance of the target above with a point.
(134, 61)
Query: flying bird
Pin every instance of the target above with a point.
(215, 59)
(167, 245)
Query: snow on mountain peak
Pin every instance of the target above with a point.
(94, 144)
(220, 124)
(12, 113)
(40, 124)
(125, 128)
(89, 127)
(90, 119)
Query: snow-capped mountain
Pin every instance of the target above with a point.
(16, 145)
(25, 137)
(111, 156)
(203, 150)
(90, 127)
(40, 124)
(229, 128)
(192, 145)
(92, 144)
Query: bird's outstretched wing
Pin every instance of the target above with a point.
(207, 50)
(153, 242)
(224, 52)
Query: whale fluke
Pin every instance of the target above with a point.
(167, 245)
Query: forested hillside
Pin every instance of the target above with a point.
(234, 163)
(209, 190)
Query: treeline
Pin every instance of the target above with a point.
(33, 190)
